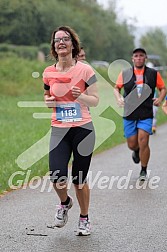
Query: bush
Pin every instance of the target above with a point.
(27, 52)
(45, 48)
(16, 75)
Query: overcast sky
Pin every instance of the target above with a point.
(147, 12)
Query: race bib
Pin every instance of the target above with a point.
(69, 112)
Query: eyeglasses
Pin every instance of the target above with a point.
(64, 39)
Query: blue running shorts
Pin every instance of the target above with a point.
(131, 126)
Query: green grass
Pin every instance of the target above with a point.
(19, 130)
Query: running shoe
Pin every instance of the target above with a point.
(135, 157)
(143, 175)
(154, 130)
(83, 227)
(61, 216)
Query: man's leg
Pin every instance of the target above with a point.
(133, 145)
(131, 134)
(144, 130)
(143, 140)
(132, 142)
(154, 125)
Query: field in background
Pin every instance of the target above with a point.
(19, 130)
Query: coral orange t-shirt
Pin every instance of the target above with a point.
(69, 112)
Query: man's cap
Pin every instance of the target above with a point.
(139, 49)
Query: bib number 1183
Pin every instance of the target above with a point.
(70, 112)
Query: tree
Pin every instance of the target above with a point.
(155, 42)
(31, 22)
(20, 22)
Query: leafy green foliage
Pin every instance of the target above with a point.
(27, 52)
(156, 43)
(32, 22)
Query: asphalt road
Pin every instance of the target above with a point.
(125, 215)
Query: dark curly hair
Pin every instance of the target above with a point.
(74, 38)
